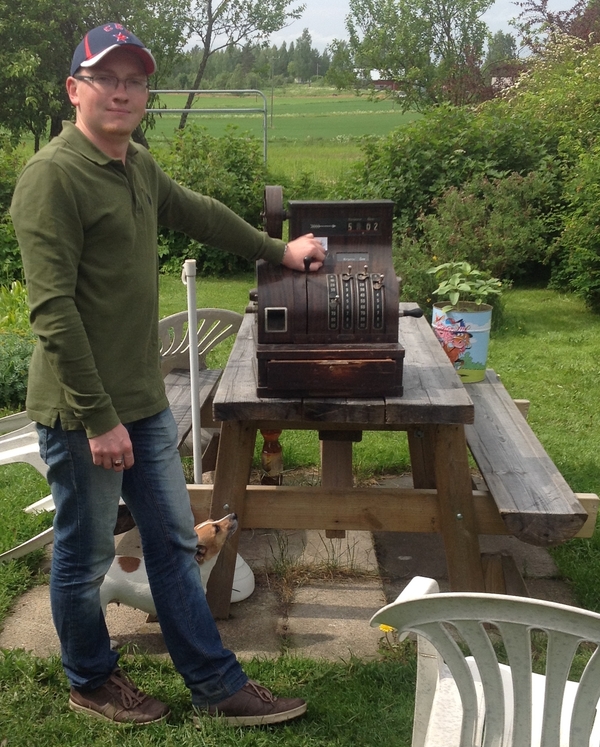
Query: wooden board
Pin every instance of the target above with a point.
(372, 509)
(433, 393)
(533, 498)
(178, 388)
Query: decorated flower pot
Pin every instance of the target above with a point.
(464, 333)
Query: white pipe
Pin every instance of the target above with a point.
(188, 276)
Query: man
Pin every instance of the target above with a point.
(86, 210)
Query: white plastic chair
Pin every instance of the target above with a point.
(21, 445)
(473, 700)
(214, 325)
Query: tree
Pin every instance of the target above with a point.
(37, 40)
(222, 23)
(341, 73)
(501, 48)
(432, 49)
(305, 57)
(502, 65)
(537, 23)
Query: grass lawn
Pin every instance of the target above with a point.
(351, 704)
(546, 351)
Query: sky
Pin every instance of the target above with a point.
(325, 20)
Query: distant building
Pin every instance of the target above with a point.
(385, 85)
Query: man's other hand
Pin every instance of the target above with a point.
(301, 248)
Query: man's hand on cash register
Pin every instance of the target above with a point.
(304, 254)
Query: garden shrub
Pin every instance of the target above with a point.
(230, 169)
(506, 185)
(12, 161)
(500, 225)
(14, 366)
(447, 147)
(16, 345)
(412, 262)
(576, 253)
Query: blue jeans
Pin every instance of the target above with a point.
(86, 499)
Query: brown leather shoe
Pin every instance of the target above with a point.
(119, 700)
(254, 705)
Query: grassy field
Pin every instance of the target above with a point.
(315, 131)
(295, 116)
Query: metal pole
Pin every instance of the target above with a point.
(188, 277)
(226, 110)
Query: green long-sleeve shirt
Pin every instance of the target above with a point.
(87, 230)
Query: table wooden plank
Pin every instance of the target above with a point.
(433, 392)
(457, 513)
(232, 472)
(370, 509)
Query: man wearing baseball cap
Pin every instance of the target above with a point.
(86, 211)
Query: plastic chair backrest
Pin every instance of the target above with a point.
(444, 618)
(214, 325)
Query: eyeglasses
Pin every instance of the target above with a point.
(110, 83)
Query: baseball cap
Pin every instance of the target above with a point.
(103, 39)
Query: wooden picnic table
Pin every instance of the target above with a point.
(434, 410)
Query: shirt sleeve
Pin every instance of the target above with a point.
(51, 240)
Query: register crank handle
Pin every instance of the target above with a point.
(417, 313)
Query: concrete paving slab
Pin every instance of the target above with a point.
(331, 621)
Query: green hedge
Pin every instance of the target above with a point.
(230, 169)
(16, 345)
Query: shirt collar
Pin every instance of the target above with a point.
(78, 140)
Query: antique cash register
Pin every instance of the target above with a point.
(333, 332)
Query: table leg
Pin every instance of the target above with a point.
(234, 461)
(336, 471)
(455, 495)
(421, 447)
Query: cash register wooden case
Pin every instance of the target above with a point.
(333, 332)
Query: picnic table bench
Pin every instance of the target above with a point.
(533, 499)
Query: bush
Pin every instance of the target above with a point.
(576, 253)
(507, 186)
(446, 148)
(230, 169)
(14, 366)
(500, 225)
(16, 343)
(11, 163)
(11, 264)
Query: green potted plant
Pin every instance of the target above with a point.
(461, 319)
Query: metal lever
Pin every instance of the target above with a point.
(307, 261)
(416, 313)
